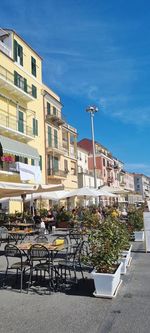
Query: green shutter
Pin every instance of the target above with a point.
(15, 78)
(32, 161)
(55, 139)
(55, 164)
(20, 54)
(48, 108)
(33, 66)
(34, 91)
(35, 126)
(15, 50)
(20, 122)
(49, 137)
(54, 110)
(40, 162)
(36, 121)
(25, 85)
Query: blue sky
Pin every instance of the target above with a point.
(95, 53)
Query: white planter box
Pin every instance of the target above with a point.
(106, 284)
(139, 236)
(127, 253)
(124, 261)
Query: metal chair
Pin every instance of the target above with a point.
(41, 239)
(40, 261)
(74, 261)
(12, 251)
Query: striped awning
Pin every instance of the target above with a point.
(18, 148)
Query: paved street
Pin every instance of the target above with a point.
(77, 310)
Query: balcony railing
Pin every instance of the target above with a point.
(15, 84)
(55, 117)
(12, 124)
(58, 173)
(8, 167)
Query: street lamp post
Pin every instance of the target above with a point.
(92, 110)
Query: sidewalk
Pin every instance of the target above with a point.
(78, 311)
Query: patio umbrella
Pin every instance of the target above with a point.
(82, 192)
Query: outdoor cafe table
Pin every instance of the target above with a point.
(21, 234)
(25, 247)
(19, 225)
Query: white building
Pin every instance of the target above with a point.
(85, 176)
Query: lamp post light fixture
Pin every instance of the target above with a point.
(92, 110)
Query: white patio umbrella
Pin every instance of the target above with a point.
(53, 195)
(104, 193)
(81, 192)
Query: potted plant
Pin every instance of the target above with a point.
(136, 224)
(105, 248)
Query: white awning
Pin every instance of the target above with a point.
(18, 148)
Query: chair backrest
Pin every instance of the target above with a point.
(12, 250)
(41, 239)
(39, 252)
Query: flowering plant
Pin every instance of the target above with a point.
(8, 158)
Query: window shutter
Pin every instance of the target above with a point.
(48, 108)
(25, 85)
(49, 137)
(32, 161)
(15, 78)
(33, 66)
(40, 162)
(55, 139)
(20, 53)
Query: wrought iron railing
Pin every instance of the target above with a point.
(13, 123)
(17, 81)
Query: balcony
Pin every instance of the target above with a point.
(57, 173)
(56, 118)
(109, 166)
(55, 147)
(15, 86)
(11, 127)
(8, 168)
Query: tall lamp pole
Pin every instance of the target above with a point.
(92, 110)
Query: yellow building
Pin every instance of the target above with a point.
(60, 143)
(21, 107)
(33, 133)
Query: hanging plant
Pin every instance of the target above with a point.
(8, 158)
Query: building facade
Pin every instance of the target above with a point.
(21, 111)
(108, 168)
(86, 176)
(142, 185)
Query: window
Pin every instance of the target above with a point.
(34, 91)
(33, 66)
(103, 162)
(55, 139)
(21, 121)
(40, 162)
(32, 161)
(49, 136)
(48, 108)
(20, 82)
(18, 53)
(25, 160)
(55, 164)
(35, 127)
(66, 166)
(54, 110)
